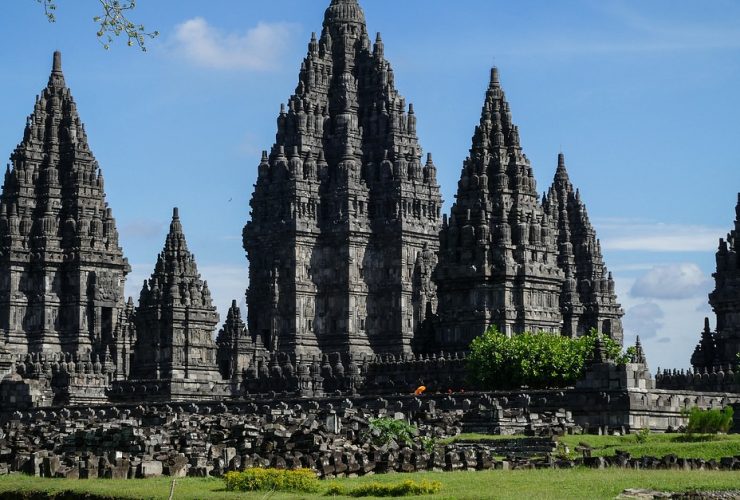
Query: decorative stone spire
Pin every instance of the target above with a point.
(235, 346)
(361, 180)
(639, 355)
(53, 212)
(722, 347)
(499, 241)
(176, 318)
(595, 304)
(600, 354)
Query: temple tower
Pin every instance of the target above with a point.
(62, 271)
(343, 205)
(721, 348)
(588, 299)
(236, 348)
(508, 260)
(175, 320)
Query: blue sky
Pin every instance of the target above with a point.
(641, 97)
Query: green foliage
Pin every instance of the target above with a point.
(627, 356)
(536, 360)
(562, 451)
(397, 489)
(303, 480)
(642, 435)
(113, 22)
(428, 443)
(385, 429)
(709, 421)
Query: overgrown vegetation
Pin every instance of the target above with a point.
(535, 360)
(709, 421)
(377, 489)
(300, 480)
(642, 435)
(385, 429)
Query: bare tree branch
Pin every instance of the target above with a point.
(112, 23)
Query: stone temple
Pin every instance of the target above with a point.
(357, 285)
(510, 259)
(721, 348)
(62, 270)
(343, 206)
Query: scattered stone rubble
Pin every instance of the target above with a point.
(334, 439)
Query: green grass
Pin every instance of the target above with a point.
(706, 446)
(658, 445)
(540, 484)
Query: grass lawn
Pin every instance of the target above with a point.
(656, 445)
(535, 484)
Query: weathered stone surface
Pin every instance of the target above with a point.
(345, 214)
(62, 271)
(717, 350)
(508, 260)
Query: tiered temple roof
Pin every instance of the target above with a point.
(176, 318)
(62, 270)
(343, 205)
(508, 260)
(722, 347)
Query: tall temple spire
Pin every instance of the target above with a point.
(561, 173)
(53, 206)
(722, 347)
(592, 304)
(345, 174)
(175, 319)
(506, 258)
(499, 241)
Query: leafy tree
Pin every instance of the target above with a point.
(536, 360)
(113, 22)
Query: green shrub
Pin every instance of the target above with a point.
(398, 489)
(642, 435)
(303, 480)
(388, 429)
(429, 443)
(709, 421)
(536, 360)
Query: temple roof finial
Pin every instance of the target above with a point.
(495, 77)
(56, 79)
(57, 64)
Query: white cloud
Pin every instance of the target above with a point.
(259, 49)
(644, 319)
(647, 236)
(672, 281)
(669, 332)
